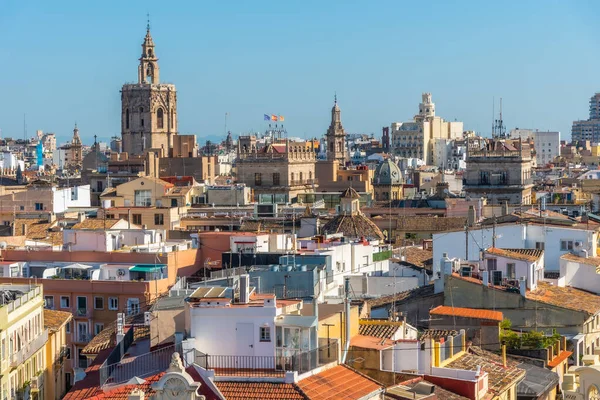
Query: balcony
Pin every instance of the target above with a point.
(83, 337)
(83, 313)
(28, 350)
(62, 355)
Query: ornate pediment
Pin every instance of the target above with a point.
(176, 384)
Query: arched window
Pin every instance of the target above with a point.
(159, 119)
(127, 118)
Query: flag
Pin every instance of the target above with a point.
(273, 117)
(281, 118)
(267, 118)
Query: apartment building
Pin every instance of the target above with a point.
(23, 339)
(58, 354)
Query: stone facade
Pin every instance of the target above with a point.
(500, 171)
(148, 108)
(282, 167)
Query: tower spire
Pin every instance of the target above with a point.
(148, 22)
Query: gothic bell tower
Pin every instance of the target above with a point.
(336, 136)
(148, 107)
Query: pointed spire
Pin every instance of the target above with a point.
(148, 23)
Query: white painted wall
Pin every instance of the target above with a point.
(407, 356)
(580, 276)
(514, 236)
(76, 196)
(532, 271)
(381, 285)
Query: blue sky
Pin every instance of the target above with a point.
(65, 61)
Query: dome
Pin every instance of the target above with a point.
(353, 226)
(387, 173)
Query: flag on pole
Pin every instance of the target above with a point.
(281, 118)
(267, 118)
(273, 117)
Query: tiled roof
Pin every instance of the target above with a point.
(566, 297)
(244, 390)
(440, 393)
(350, 193)
(38, 230)
(475, 313)
(531, 255)
(593, 261)
(562, 356)
(437, 334)
(92, 223)
(423, 291)
(54, 319)
(353, 226)
(339, 382)
(418, 256)
(370, 342)
(500, 378)
(379, 329)
(107, 336)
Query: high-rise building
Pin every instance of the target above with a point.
(588, 129)
(546, 144)
(148, 107)
(414, 139)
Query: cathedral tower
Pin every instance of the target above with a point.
(336, 137)
(148, 107)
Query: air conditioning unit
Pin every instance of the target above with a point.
(121, 271)
(577, 244)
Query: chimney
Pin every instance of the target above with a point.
(244, 288)
(136, 394)
(51, 217)
(523, 286)
(485, 277)
(504, 355)
(80, 217)
(471, 216)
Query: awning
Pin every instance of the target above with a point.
(77, 266)
(298, 321)
(147, 267)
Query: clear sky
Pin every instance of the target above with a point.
(64, 61)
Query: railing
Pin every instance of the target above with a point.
(83, 337)
(63, 354)
(141, 366)
(269, 366)
(29, 349)
(303, 182)
(82, 312)
(13, 305)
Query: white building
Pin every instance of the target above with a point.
(9, 162)
(70, 197)
(546, 144)
(249, 325)
(555, 240)
(59, 157)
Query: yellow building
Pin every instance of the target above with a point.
(57, 352)
(153, 192)
(23, 339)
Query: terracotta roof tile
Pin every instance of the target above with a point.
(244, 390)
(54, 319)
(566, 297)
(339, 382)
(353, 226)
(38, 230)
(418, 256)
(378, 329)
(593, 261)
(423, 291)
(531, 255)
(437, 334)
(92, 223)
(500, 378)
(475, 313)
(559, 358)
(370, 342)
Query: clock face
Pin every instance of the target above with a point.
(174, 388)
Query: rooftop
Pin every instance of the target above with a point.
(54, 319)
(38, 230)
(378, 328)
(531, 255)
(593, 261)
(475, 313)
(339, 382)
(566, 297)
(500, 378)
(417, 256)
(370, 342)
(92, 223)
(437, 334)
(423, 291)
(245, 390)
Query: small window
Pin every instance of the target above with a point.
(510, 270)
(159, 219)
(113, 303)
(65, 302)
(49, 302)
(137, 219)
(21, 208)
(68, 327)
(98, 327)
(257, 179)
(276, 179)
(539, 245)
(566, 245)
(265, 334)
(98, 303)
(39, 206)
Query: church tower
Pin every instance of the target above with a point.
(148, 107)
(336, 136)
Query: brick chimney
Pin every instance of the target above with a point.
(136, 394)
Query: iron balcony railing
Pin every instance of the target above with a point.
(81, 337)
(63, 354)
(83, 312)
(268, 366)
(29, 349)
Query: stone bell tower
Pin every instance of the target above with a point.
(148, 107)
(336, 136)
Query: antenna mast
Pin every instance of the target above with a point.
(498, 129)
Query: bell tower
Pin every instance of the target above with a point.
(336, 136)
(148, 107)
